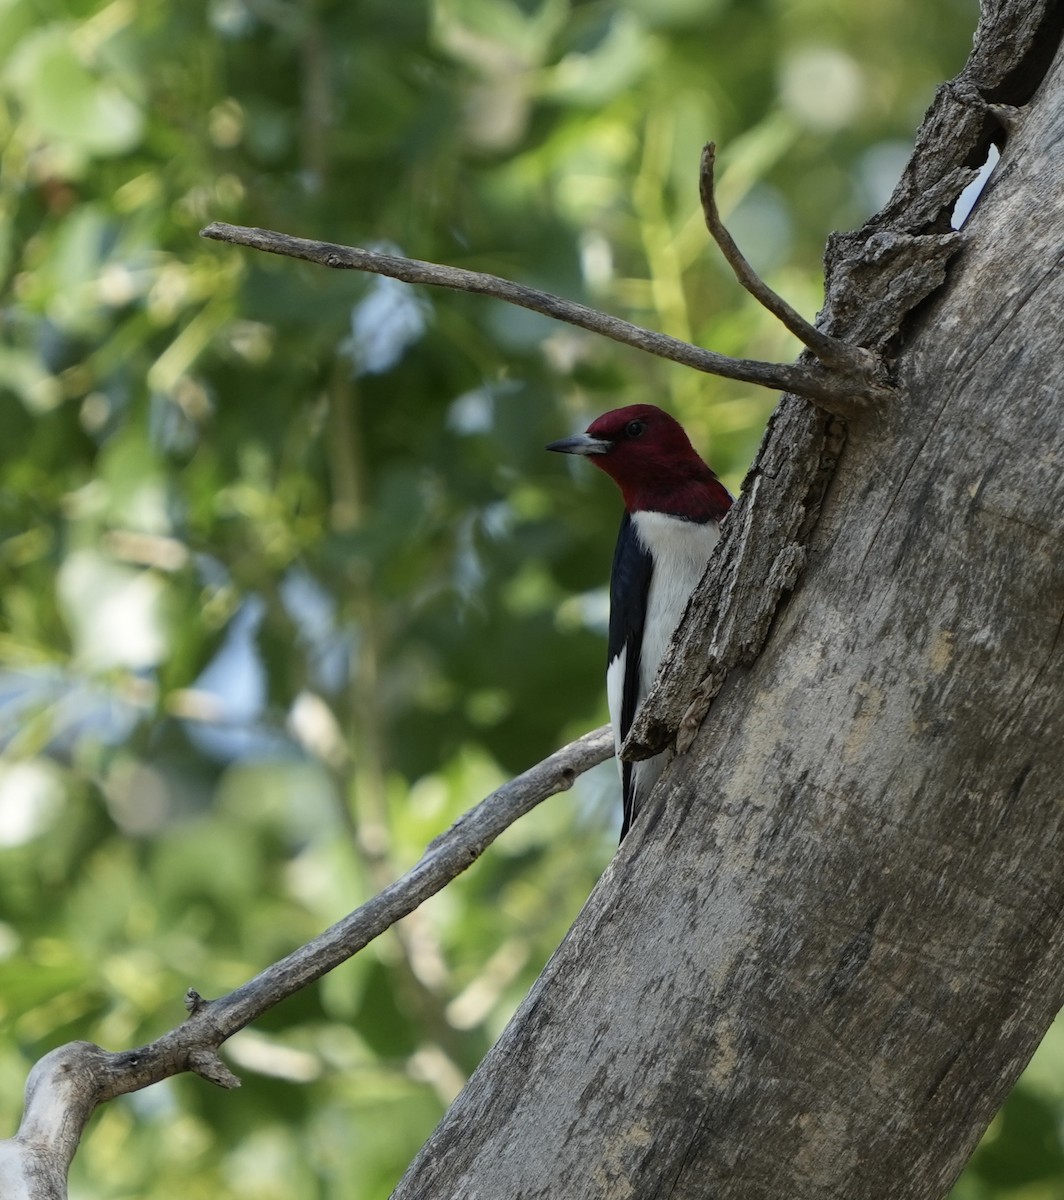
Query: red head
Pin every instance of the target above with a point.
(652, 461)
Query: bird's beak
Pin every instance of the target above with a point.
(580, 443)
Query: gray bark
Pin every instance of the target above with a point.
(834, 939)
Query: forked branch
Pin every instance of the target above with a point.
(844, 380)
(832, 351)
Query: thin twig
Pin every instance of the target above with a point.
(833, 389)
(831, 351)
(66, 1085)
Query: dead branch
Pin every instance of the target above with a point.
(66, 1085)
(846, 385)
(832, 351)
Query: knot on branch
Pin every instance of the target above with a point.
(194, 1002)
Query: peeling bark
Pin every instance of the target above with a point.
(876, 280)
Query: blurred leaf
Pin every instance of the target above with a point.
(66, 101)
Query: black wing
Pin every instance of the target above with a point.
(629, 585)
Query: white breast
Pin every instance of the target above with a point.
(680, 550)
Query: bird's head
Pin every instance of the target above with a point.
(652, 461)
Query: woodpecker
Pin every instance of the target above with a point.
(673, 508)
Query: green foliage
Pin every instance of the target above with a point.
(286, 581)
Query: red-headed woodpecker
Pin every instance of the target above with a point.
(673, 508)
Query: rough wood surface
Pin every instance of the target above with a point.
(823, 956)
(875, 279)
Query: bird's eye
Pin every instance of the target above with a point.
(634, 428)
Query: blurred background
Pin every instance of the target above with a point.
(287, 581)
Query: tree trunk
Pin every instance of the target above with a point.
(834, 939)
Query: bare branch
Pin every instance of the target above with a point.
(840, 390)
(66, 1085)
(447, 857)
(831, 351)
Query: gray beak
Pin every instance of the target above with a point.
(580, 443)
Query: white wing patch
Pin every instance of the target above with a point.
(615, 695)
